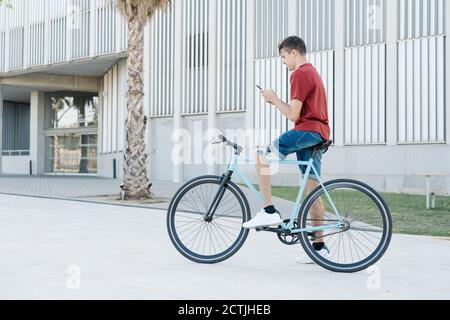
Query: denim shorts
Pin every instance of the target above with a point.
(296, 141)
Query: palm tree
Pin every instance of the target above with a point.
(137, 13)
(6, 2)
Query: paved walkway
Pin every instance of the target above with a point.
(86, 188)
(54, 249)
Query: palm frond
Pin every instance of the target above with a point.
(142, 10)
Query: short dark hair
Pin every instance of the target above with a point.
(293, 43)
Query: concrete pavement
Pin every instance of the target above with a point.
(56, 249)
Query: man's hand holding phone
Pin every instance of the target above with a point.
(269, 95)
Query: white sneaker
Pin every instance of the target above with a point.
(305, 259)
(263, 219)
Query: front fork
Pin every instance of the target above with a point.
(218, 197)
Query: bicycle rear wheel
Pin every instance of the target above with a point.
(207, 241)
(364, 236)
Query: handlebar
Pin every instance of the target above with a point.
(238, 149)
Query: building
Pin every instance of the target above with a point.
(384, 65)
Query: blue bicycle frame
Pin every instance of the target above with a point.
(234, 168)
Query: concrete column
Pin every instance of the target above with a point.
(178, 81)
(212, 79)
(391, 73)
(339, 81)
(37, 137)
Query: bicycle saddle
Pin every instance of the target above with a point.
(322, 146)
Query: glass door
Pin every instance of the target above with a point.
(71, 154)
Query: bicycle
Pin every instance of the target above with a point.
(205, 218)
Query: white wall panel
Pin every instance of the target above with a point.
(366, 22)
(231, 51)
(106, 27)
(161, 61)
(66, 28)
(16, 48)
(113, 109)
(79, 24)
(421, 18)
(271, 27)
(57, 49)
(316, 24)
(323, 61)
(365, 95)
(2, 52)
(195, 57)
(268, 122)
(36, 48)
(421, 115)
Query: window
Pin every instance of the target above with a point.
(16, 129)
(69, 112)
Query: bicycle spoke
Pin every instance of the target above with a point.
(364, 229)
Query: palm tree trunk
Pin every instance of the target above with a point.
(135, 158)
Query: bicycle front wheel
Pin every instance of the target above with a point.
(364, 233)
(208, 241)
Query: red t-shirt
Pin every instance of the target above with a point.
(307, 87)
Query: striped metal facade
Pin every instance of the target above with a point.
(195, 57)
(323, 61)
(271, 27)
(268, 122)
(421, 77)
(366, 22)
(231, 53)
(107, 18)
(365, 72)
(113, 110)
(40, 32)
(420, 18)
(316, 27)
(316, 24)
(161, 65)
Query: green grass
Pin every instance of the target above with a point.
(409, 215)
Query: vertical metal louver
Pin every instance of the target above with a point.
(366, 22)
(79, 24)
(421, 18)
(161, 69)
(365, 72)
(106, 27)
(58, 31)
(316, 24)
(195, 57)
(36, 9)
(231, 53)
(421, 67)
(271, 27)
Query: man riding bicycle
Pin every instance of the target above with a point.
(308, 110)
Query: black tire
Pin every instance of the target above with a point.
(232, 193)
(384, 228)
